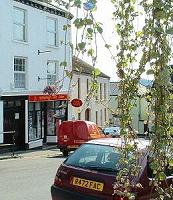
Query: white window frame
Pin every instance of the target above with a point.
(17, 84)
(18, 24)
(52, 77)
(52, 32)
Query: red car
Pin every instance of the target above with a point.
(89, 173)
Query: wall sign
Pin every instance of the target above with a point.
(41, 98)
(76, 102)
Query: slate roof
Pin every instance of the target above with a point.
(47, 7)
(80, 66)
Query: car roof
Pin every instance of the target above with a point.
(117, 142)
(112, 128)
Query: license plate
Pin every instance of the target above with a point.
(92, 185)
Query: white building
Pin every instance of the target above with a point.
(95, 108)
(139, 113)
(30, 56)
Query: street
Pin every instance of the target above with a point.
(28, 178)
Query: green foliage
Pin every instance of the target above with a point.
(152, 42)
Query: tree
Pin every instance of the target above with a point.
(138, 49)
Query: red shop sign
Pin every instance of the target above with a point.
(76, 102)
(43, 98)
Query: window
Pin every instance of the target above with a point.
(96, 117)
(105, 96)
(101, 95)
(52, 32)
(52, 72)
(20, 72)
(87, 85)
(105, 114)
(19, 24)
(79, 116)
(94, 156)
(34, 121)
(101, 117)
(150, 165)
(79, 92)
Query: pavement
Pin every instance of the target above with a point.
(46, 151)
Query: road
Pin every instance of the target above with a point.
(28, 178)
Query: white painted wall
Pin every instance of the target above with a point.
(1, 122)
(37, 64)
(93, 104)
(138, 113)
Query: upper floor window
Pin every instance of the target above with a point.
(79, 89)
(20, 72)
(101, 93)
(19, 24)
(52, 32)
(52, 72)
(105, 91)
(87, 85)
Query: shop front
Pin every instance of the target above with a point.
(33, 118)
(43, 113)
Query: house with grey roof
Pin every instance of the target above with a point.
(94, 101)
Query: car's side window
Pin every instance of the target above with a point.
(168, 170)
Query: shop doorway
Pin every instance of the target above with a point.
(14, 120)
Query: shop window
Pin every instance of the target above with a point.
(61, 107)
(51, 118)
(18, 103)
(10, 104)
(34, 121)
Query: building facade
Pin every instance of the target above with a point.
(94, 107)
(31, 55)
(139, 113)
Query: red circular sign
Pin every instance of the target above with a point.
(76, 102)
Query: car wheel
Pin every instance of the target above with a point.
(65, 152)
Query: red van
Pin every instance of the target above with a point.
(71, 134)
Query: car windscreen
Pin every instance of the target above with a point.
(112, 130)
(95, 157)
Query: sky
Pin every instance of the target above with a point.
(104, 61)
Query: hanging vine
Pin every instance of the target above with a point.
(157, 30)
(137, 50)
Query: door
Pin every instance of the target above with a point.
(87, 114)
(14, 120)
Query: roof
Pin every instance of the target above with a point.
(141, 142)
(47, 7)
(114, 89)
(80, 66)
